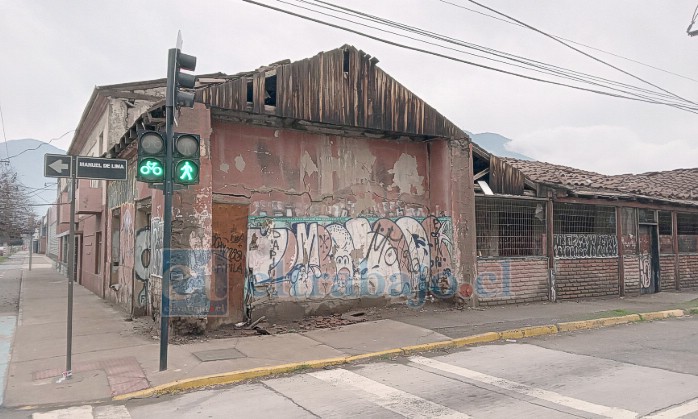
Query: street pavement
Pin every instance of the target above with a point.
(10, 278)
(110, 358)
(647, 369)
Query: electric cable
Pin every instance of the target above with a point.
(404, 46)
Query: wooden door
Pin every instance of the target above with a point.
(229, 253)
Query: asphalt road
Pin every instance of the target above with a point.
(647, 369)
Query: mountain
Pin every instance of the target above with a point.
(496, 144)
(27, 159)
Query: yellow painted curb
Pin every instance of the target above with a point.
(612, 321)
(657, 315)
(511, 334)
(578, 325)
(475, 339)
(428, 346)
(379, 354)
(236, 376)
(532, 331)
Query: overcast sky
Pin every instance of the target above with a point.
(55, 52)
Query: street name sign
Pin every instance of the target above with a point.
(100, 168)
(57, 165)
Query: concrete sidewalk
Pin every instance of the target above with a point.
(110, 359)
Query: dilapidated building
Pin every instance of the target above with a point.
(325, 185)
(547, 232)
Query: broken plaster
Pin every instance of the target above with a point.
(405, 175)
(240, 163)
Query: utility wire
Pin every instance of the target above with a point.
(579, 50)
(4, 136)
(538, 66)
(399, 45)
(574, 42)
(40, 145)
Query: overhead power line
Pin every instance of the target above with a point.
(4, 136)
(41, 145)
(685, 107)
(632, 60)
(577, 49)
(529, 64)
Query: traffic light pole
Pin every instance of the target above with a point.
(71, 277)
(167, 216)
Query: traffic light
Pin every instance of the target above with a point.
(186, 155)
(176, 79)
(151, 157)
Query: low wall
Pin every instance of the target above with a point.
(583, 278)
(512, 281)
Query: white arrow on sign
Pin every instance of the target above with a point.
(58, 166)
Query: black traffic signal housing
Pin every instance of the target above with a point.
(151, 156)
(176, 79)
(186, 159)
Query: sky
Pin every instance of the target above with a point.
(55, 52)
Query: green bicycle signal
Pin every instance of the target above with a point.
(151, 170)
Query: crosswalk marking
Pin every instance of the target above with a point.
(398, 401)
(550, 396)
(675, 412)
(86, 412)
(75, 412)
(111, 412)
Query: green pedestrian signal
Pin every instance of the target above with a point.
(186, 159)
(186, 172)
(151, 157)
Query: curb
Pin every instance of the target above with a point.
(525, 332)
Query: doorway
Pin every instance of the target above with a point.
(649, 259)
(229, 251)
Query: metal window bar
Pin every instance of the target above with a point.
(509, 227)
(584, 219)
(687, 231)
(666, 239)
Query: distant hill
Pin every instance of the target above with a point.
(27, 159)
(496, 144)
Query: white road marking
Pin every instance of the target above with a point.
(550, 396)
(77, 412)
(111, 412)
(679, 411)
(398, 401)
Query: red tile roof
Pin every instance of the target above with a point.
(679, 184)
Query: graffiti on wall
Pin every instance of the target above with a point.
(494, 280)
(188, 295)
(645, 270)
(148, 256)
(575, 246)
(306, 258)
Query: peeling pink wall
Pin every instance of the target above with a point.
(315, 174)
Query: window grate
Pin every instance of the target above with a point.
(509, 227)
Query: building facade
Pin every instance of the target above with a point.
(325, 185)
(550, 232)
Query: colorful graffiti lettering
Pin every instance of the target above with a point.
(306, 258)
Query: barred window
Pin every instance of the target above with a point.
(584, 219)
(687, 230)
(666, 240)
(628, 230)
(509, 227)
(584, 231)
